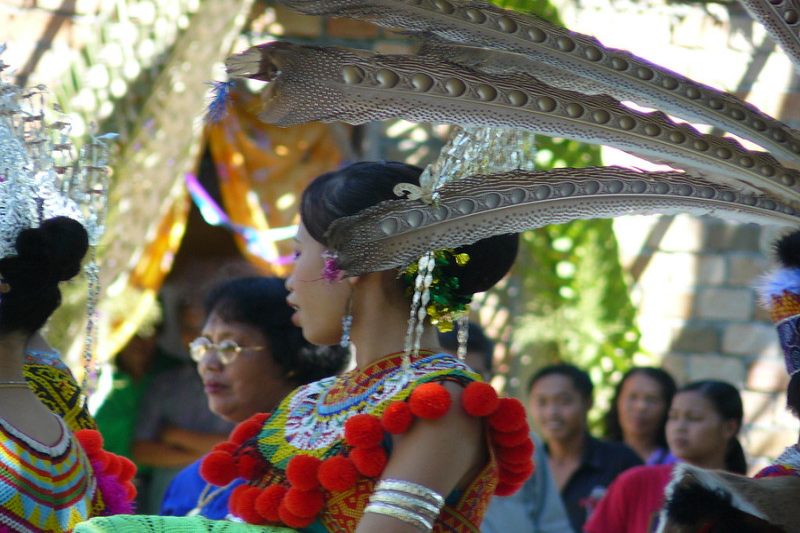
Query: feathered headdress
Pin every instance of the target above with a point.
(484, 66)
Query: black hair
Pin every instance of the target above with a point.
(349, 190)
(477, 341)
(793, 394)
(580, 379)
(787, 250)
(260, 302)
(667, 386)
(728, 403)
(45, 256)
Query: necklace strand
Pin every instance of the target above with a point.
(13, 384)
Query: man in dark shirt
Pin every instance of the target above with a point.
(559, 398)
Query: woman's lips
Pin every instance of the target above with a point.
(213, 387)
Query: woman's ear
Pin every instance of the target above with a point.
(730, 428)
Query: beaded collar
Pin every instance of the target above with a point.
(311, 419)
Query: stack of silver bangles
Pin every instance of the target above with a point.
(410, 502)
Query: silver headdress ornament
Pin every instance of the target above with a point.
(41, 177)
(483, 66)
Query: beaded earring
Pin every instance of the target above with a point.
(347, 323)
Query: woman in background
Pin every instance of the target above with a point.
(638, 413)
(702, 426)
(249, 356)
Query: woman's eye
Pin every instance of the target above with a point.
(296, 255)
(228, 346)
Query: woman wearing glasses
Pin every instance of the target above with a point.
(249, 357)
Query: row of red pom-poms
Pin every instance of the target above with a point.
(299, 504)
(113, 473)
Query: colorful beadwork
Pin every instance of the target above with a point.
(54, 385)
(43, 488)
(788, 464)
(325, 446)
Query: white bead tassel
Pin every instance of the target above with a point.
(419, 302)
(462, 335)
(92, 270)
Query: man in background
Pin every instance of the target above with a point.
(559, 399)
(536, 507)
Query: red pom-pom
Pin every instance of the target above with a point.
(507, 489)
(130, 491)
(218, 468)
(479, 399)
(245, 431)
(304, 503)
(101, 459)
(249, 466)
(247, 506)
(114, 467)
(235, 498)
(302, 472)
(516, 476)
(337, 473)
(260, 418)
(127, 470)
(518, 467)
(226, 446)
(269, 500)
(516, 455)
(91, 441)
(369, 461)
(511, 438)
(430, 400)
(292, 520)
(363, 430)
(509, 415)
(397, 418)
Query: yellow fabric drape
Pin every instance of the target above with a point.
(263, 169)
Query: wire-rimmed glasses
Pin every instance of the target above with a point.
(226, 351)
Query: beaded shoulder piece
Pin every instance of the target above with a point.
(55, 386)
(316, 459)
(311, 419)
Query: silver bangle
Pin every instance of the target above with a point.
(407, 502)
(415, 489)
(399, 513)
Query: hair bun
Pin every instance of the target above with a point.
(58, 243)
(489, 260)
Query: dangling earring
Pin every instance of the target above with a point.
(462, 335)
(347, 323)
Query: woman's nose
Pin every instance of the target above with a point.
(209, 362)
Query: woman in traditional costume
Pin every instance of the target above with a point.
(409, 440)
(52, 480)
